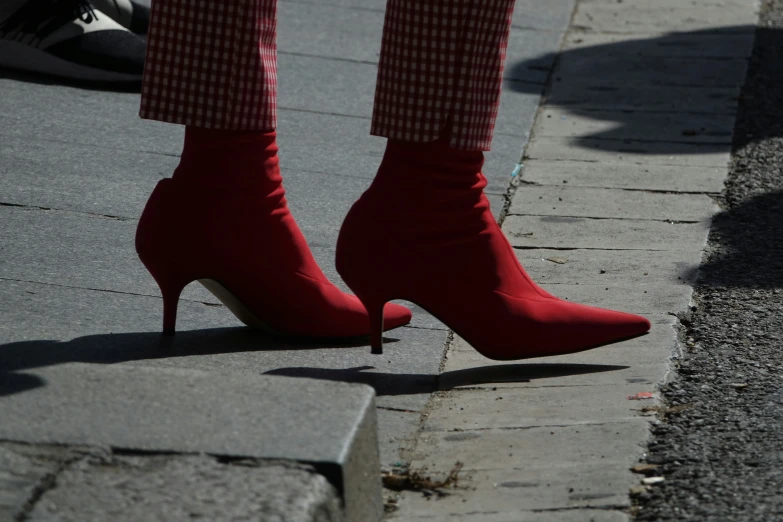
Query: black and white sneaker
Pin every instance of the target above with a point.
(70, 39)
(131, 14)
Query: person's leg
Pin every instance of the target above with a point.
(440, 71)
(222, 218)
(424, 231)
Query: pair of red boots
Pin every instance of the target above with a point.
(422, 232)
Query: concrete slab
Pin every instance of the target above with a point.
(556, 515)
(637, 299)
(576, 97)
(373, 5)
(605, 267)
(664, 71)
(706, 44)
(664, 178)
(326, 86)
(49, 326)
(517, 112)
(344, 30)
(634, 125)
(600, 487)
(107, 120)
(534, 50)
(629, 151)
(186, 487)
(500, 163)
(79, 178)
(534, 448)
(552, 232)
(552, 16)
(543, 407)
(565, 200)
(21, 474)
(331, 425)
(642, 17)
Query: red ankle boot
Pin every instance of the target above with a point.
(223, 220)
(424, 232)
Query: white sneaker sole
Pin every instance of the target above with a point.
(21, 57)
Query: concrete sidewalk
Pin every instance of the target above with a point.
(612, 209)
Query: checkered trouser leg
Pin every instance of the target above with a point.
(440, 70)
(213, 64)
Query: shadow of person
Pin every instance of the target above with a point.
(751, 235)
(118, 348)
(677, 91)
(140, 346)
(408, 384)
(131, 86)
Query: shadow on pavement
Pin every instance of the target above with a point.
(405, 384)
(686, 80)
(44, 79)
(751, 235)
(119, 348)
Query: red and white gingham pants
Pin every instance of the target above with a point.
(213, 64)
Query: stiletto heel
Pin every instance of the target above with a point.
(171, 293)
(374, 309)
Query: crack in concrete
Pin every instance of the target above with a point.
(604, 507)
(630, 163)
(330, 58)
(92, 145)
(538, 426)
(566, 249)
(711, 194)
(325, 113)
(403, 410)
(46, 483)
(74, 287)
(485, 388)
(597, 218)
(340, 6)
(66, 211)
(426, 328)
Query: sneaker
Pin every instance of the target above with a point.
(130, 14)
(70, 39)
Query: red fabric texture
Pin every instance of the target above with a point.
(424, 232)
(441, 69)
(224, 216)
(214, 65)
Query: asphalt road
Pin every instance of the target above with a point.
(720, 449)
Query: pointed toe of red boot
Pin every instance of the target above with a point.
(395, 316)
(608, 326)
(584, 327)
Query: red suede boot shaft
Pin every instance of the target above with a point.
(224, 217)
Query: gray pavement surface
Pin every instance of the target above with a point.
(612, 208)
(173, 411)
(77, 165)
(93, 484)
(719, 449)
